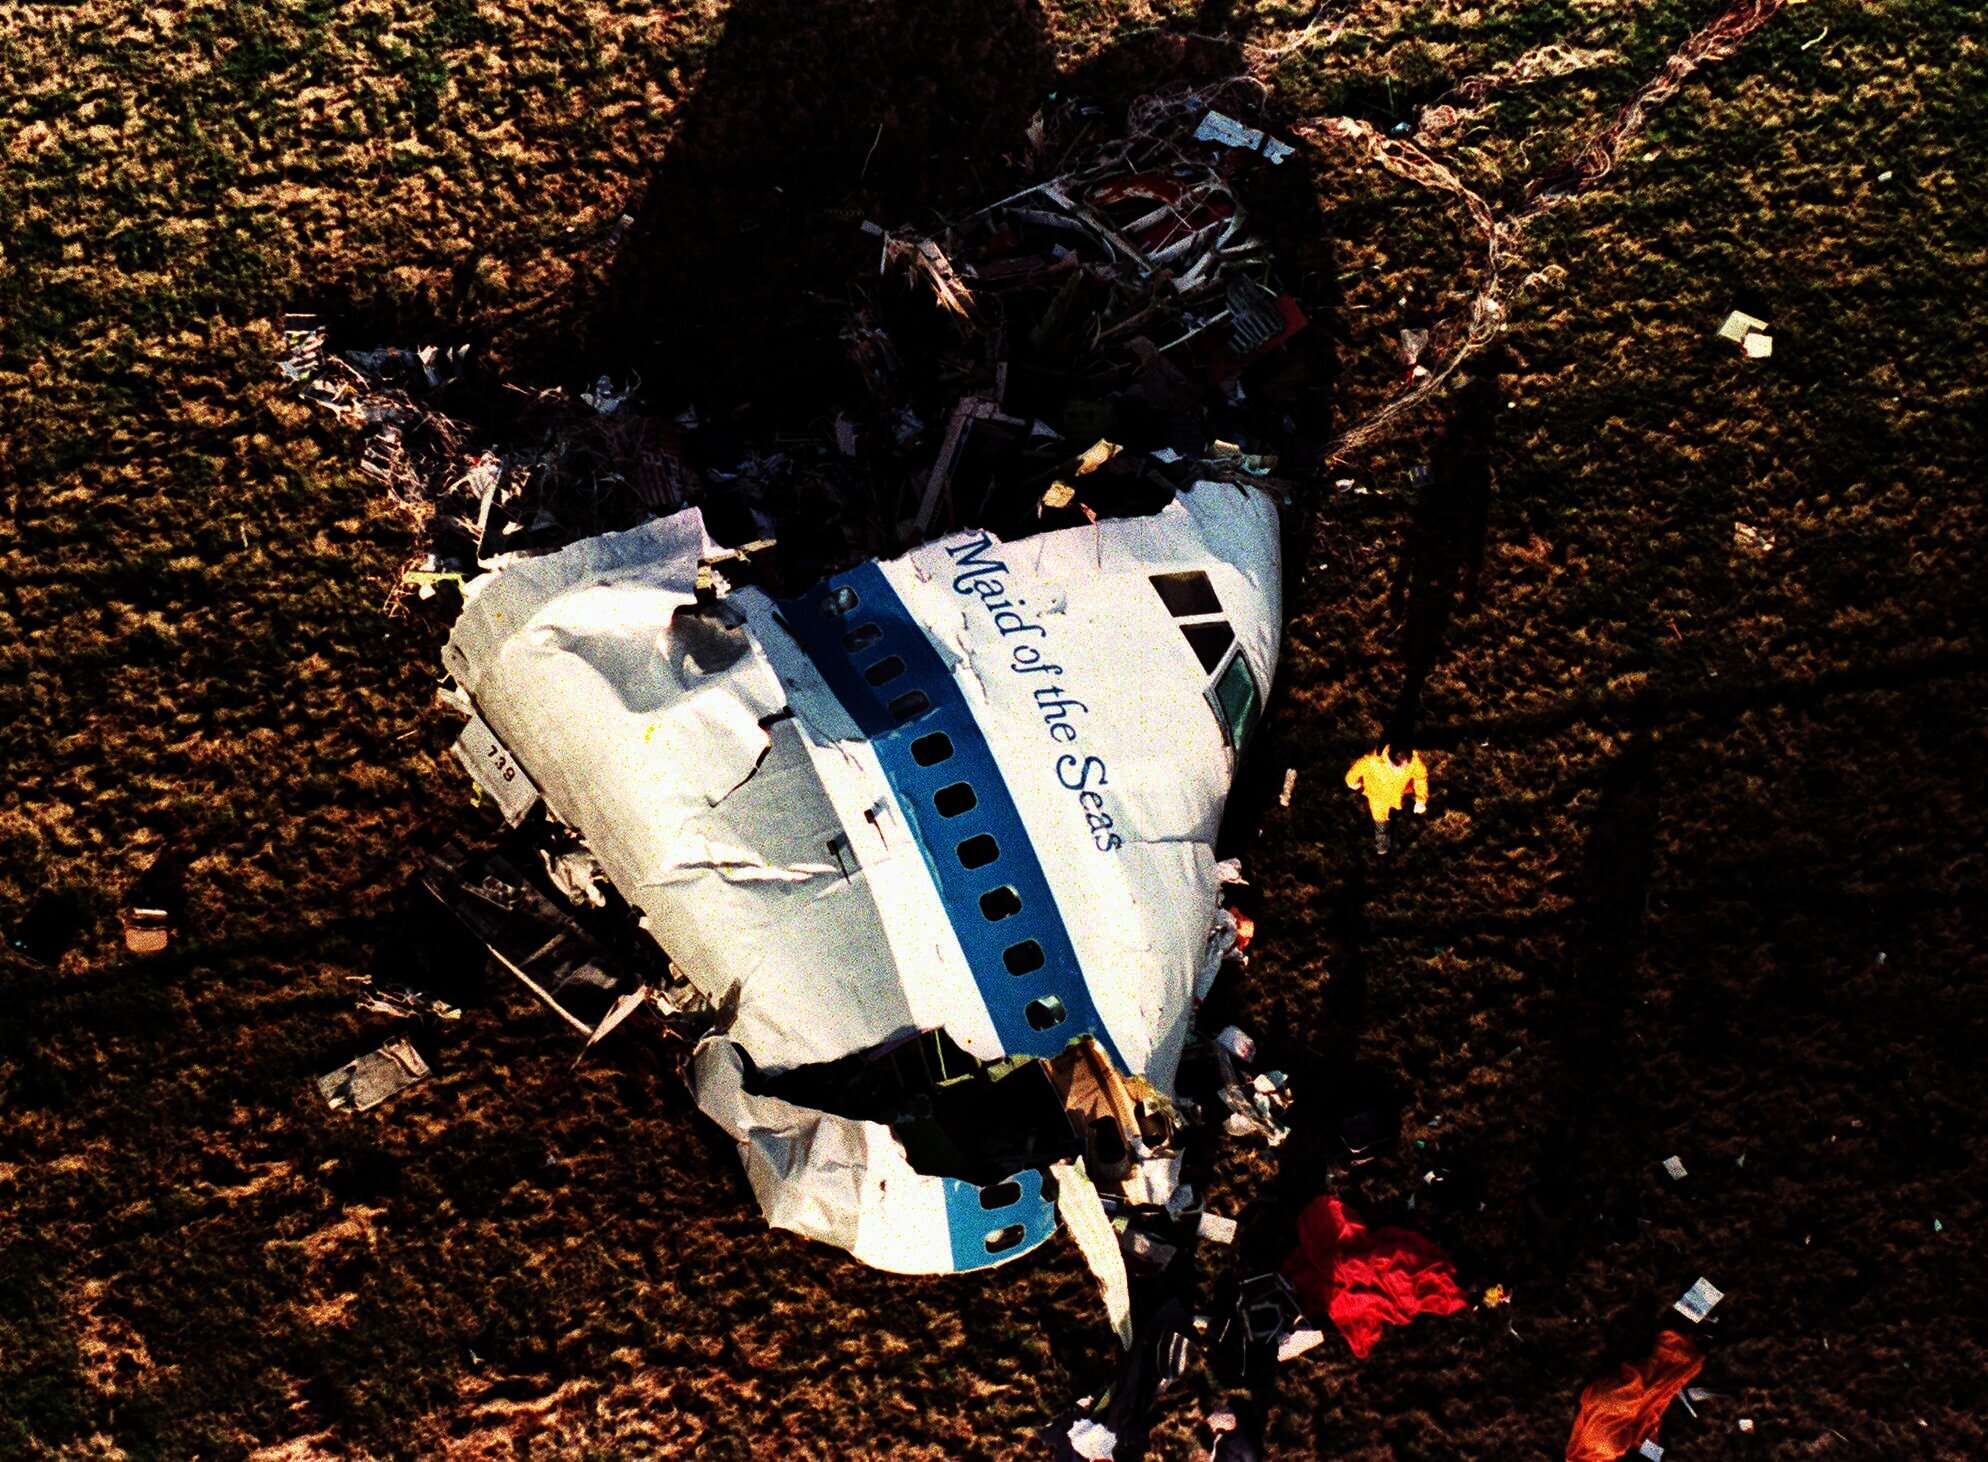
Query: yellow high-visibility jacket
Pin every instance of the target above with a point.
(1384, 782)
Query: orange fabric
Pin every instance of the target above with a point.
(1620, 1413)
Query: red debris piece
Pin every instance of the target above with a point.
(1366, 1279)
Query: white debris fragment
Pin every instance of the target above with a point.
(577, 874)
(605, 399)
(1675, 1167)
(1164, 454)
(364, 1083)
(1230, 871)
(1749, 539)
(1216, 1229)
(1697, 1301)
(1236, 1042)
(1092, 1441)
(1290, 786)
(1739, 325)
(1147, 1249)
(1757, 345)
(1652, 1450)
(1181, 1200)
(1219, 127)
(1746, 1423)
(1294, 1343)
(1222, 128)
(1082, 1211)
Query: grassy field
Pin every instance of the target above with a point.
(1704, 870)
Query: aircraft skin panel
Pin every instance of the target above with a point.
(927, 962)
(983, 1237)
(704, 809)
(743, 933)
(1094, 703)
(848, 1183)
(905, 699)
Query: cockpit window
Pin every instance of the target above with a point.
(1187, 593)
(1211, 640)
(1237, 700)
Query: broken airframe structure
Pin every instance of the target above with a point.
(921, 850)
(933, 838)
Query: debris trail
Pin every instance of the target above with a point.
(1726, 33)
(1460, 339)
(1498, 238)
(1467, 99)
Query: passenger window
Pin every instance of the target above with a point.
(1188, 593)
(1211, 640)
(884, 671)
(911, 703)
(861, 638)
(932, 748)
(952, 801)
(1237, 701)
(978, 851)
(1000, 903)
(839, 601)
(1046, 1013)
(1023, 958)
(1000, 1195)
(1003, 1239)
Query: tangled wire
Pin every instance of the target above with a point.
(1455, 340)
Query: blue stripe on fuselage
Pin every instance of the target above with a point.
(1041, 1010)
(973, 1226)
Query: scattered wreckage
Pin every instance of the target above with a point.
(910, 822)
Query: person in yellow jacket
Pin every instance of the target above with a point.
(1385, 776)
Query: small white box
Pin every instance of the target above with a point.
(1217, 1229)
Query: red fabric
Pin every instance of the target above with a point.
(1621, 1412)
(1367, 1278)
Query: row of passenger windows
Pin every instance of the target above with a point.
(953, 800)
(843, 601)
